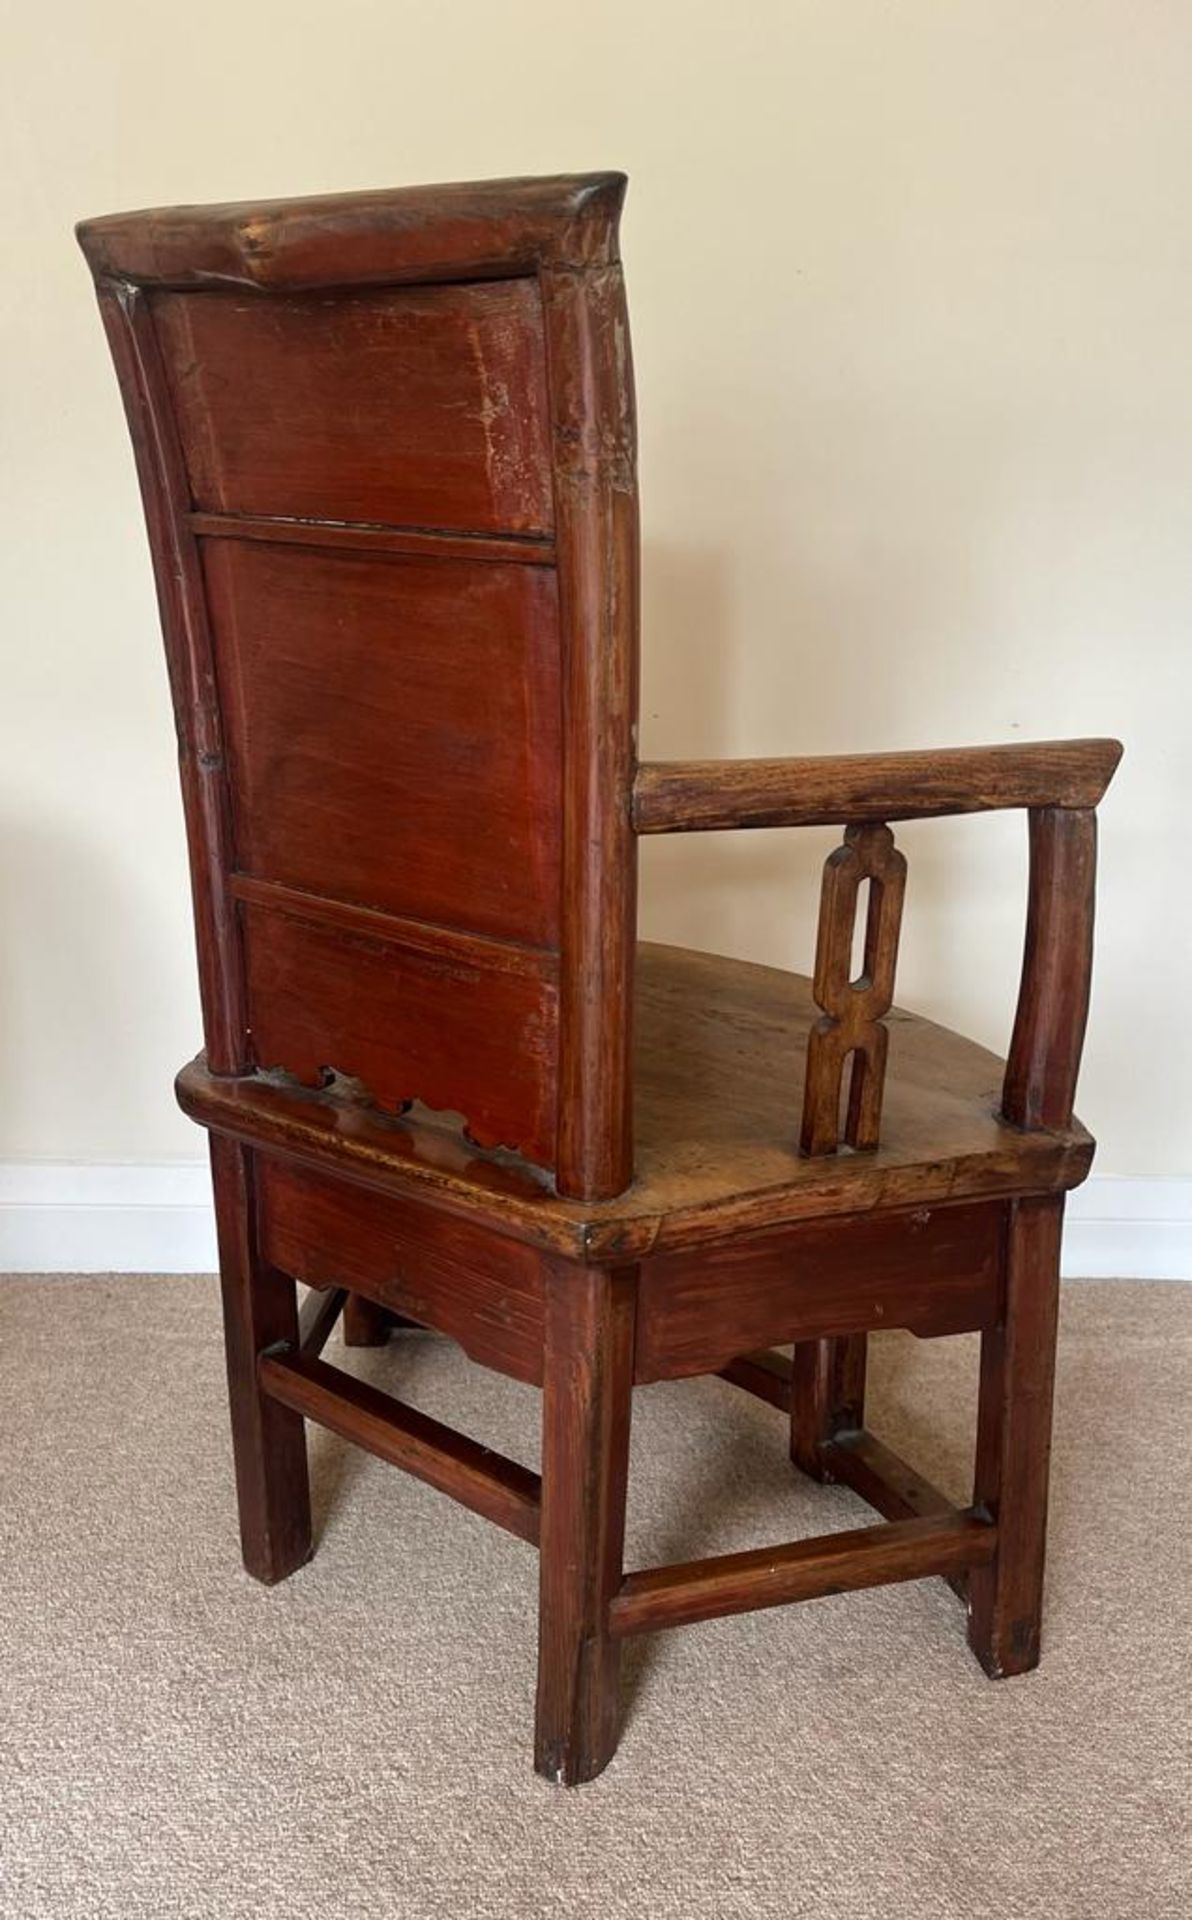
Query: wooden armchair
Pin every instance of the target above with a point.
(386, 447)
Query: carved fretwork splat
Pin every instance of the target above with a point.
(853, 1010)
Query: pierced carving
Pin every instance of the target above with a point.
(852, 1025)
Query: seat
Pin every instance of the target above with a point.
(702, 1022)
(386, 448)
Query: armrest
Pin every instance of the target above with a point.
(687, 796)
(1058, 781)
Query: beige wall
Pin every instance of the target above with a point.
(912, 301)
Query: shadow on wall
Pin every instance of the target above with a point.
(85, 931)
(755, 895)
(707, 890)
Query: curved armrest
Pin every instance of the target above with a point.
(687, 796)
(1058, 781)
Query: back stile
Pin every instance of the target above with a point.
(1053, 1001)
(591, 384)
(190, 662)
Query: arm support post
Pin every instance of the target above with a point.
(1059, 783)
(1053, 1000)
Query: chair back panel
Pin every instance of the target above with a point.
(397, 584)
(400, 406)
(393, 728)
(439, 1022)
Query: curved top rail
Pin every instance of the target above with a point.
(480, 229)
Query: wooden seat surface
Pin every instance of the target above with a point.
(720, 1050)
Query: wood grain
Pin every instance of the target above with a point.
(500, 1489)
(317, 1318)
(467, 1039)
(365, 1322)
(595, 475)
(401, 406)
(765, 1374)
(451, 946)
(344, 536)
(852, 1035)
(827, 1397)
(394, 236)
(358, 392)
(386, 445)
(364, 766)
(190, 662)
(587, 1394)
(1014, 1443)
(260, 1309)
(707, 1170)
(425, 1265)
(828, 1441)
(934, 1270)
(1053, 1002)
(861, 1461)
(804, 1570)
(687, 796)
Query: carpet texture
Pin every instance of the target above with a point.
(177, 1741)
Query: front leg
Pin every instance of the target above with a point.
(587, 1396)
(1014, 1443)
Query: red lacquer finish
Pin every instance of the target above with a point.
(386, 445)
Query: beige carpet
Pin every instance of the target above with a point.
(175, 1740)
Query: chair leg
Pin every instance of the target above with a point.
(260, 1307)
(365, 1324)
(1014, 1442)
(827, 1396)
(587, 1397)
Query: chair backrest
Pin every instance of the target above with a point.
(386, 447)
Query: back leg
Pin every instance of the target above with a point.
(260, 1309)
(827, 1396)
(365, 1324)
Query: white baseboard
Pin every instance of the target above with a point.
(63, 1218)
(1119, 1229)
